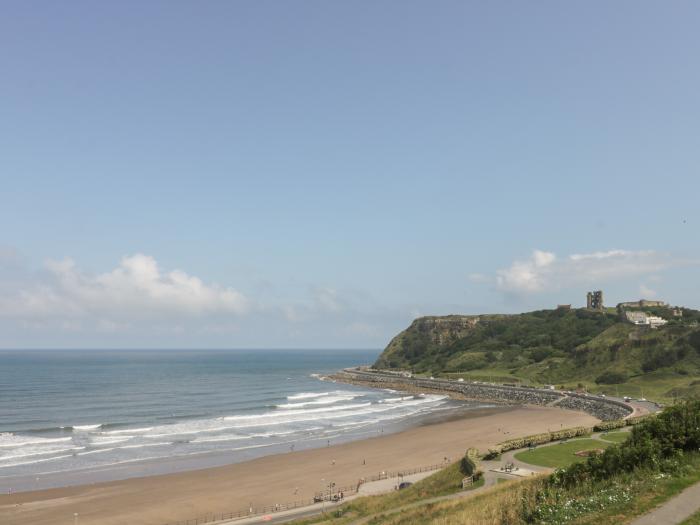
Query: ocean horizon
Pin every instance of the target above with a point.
(75, 416)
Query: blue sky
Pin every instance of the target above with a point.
(316, 174)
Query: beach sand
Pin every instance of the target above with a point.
(157, 500)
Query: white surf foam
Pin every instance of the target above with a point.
(396, 399)
(11, 440)
(33, 452)
(326, 400)
(84, 428)
(18, 464)
(98, 441)
(128, 431)
(307, 395)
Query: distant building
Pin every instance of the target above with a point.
(563, 307)
(642, 303)
(638, 318)
(594, 300)
(656, 321)
(677, 312)
(644, 319)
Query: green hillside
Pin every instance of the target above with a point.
(598, 349)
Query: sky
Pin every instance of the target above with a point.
(315, 174)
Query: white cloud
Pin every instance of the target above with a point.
(138, 304)
(646, 292)
(544, 271)
(136, 289)
(527, 276)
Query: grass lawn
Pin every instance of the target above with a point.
(560, 455)
(616, 437)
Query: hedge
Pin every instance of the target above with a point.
(541, 439)
(610, 425)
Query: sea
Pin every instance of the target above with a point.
(75, 416)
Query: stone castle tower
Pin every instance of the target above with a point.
(594, 300)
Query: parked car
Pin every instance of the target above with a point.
(404, 485)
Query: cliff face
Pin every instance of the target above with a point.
(427, 334)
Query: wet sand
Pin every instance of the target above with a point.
(157, 500)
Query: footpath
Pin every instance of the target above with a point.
(675, 510)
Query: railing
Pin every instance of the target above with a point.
(333, 496)
(467, 482)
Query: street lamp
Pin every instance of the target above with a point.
(323, 496)
(75, 518)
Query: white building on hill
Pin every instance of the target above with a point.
(644, 319)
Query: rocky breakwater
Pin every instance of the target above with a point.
(599, 407)
(602, 408)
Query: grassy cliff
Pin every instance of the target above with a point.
(597, 349)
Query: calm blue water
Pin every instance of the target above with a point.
(67, 413)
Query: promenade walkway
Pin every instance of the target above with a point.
(675, 510)
(367, 489)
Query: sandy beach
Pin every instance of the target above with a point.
(157, 500)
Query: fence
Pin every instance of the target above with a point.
(332, 495)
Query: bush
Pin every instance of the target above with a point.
(492, 454)
(694, 340)
(569, 433)
(610, 425)
(611, 378)
(638, 419)
(541, 439)
(654, 443)
(467, 466)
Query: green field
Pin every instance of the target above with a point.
(616, 437)
(560, 455)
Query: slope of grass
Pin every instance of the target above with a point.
(560, 455)
(616, 437)
(618, 500)
(443, 482)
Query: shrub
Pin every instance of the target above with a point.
(694, 340)
(638, 419)
(610, 425)
(467, 466)
(492, 454)
(569, 433)
(654, 443)
(541, 439)
(611, 378)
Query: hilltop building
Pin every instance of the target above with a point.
(644, 319)
(642, 303)
(594, 300)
